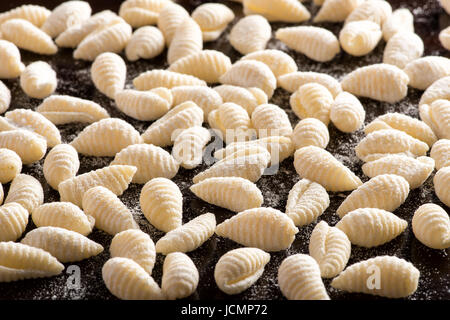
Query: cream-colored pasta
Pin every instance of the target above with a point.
(440, 89)
(415, 171)
(26, 191)
(163, 131)
(316, 43)
(186, 40)
(12, 66)
(1, 193)
(63, 244)
(444, 38)
(282, 10)
(386, 191)
(336, 10)
(73, 35)
(203, 96)
(113, 36)
(110, 214)
(306, 201)
(437, 116)
(164, 78)
(359, 38)
(63, 215)
(310, 132)
(299, 279)
(248, 98)
(424, 71)
(397, 278)
(189, 236)
(441, 182)
(61, 163)
(238, 269)
(127, 280)
(291, 82)
(248, 162)
(347, 113)
(180, 276)
(279, 62)
(386, 142)
(318, 165)
(146, 43)
(162, 204)
(106, 137)
(213, 18)
(33, 13)
(271, 120)
(135, 245)
(139, 13)
(38, 80)
(232, 122)
(61, 109)
(250, 34)
(13, 221)
(108, 73)
(188, 146)
(331, 248)
(431, 226)
(151, 162)
(19, 261)
(440, 152)
(401, 20)
(28, 146)
(65, 15)
(371, 227)
(10, 165)
(170, 17)
(144, 105)
(207, 65)
(265, 228)
(312, 100)
(115, 178)
(383, 82)
(377, 11)
(414, 127)
(233, 193)
(5, 97)
(27, 36)
(446, 5)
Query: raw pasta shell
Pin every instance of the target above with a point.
(10, 165)
(65, 15)
(139, 13)
(9, 52)
(347, 113)
(310, 132)
(26, 191)
(250, 34)
(247, 98)
(164, 78)
(437, 116)
(61, 163)
(312, 100)
(402, 48)
(170, 17)
(440, 152)
(440, 89)
(441, 182)
(292, 81)
(38, 80)
(401, 20)
(180, 276)
(33, 13)
(13, 221)
(203, 96)
(187, 40)
(279, 62)
(282, 10)
(108, 72)
(271, 120)
(28, 146)
(377, 11)
(424, 71)
(335, 10)
(431, 226)
(146, 42)
(188, 146)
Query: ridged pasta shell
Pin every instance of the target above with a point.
(310, 132)
(250, 34)
(13, 221)
(312, 100)
(139, 13)
(28, 146)
(291, 82)
(271, 120)
(180, 276)
(106, 137)
(299, 279)
(63, 244)
(109, 72)
(232, 121)
(189, 236)
(377, 11)
(115, 178)
(38, 80)
(187, 40)
(135, 245)
(5, 96)
(431, 226)
(110, 214)
(401, 20)
(331, 248)
(164, 131)
(306, 201)
(19, 261)
(278, 61)
(212, 18)
(188, 146)
(347, 113)
(282, 10)
(440, 89)
(371, 227)
(424, 71)
(335, 10)
(247, 98)
(61, 163)
(65, 15)
(402, 48)
(170, 17)
(238, 269)
(437, 116)
(146, 43)
(440, 152)
(316, 43)
(10, 53)
(386, 142)
(26, 191)
(383, 82)
(386, 191)
(162, 204)
(33, 13)
(63, 215)
(265, 228)
(397, 278)
(10, 165)
(203, 96)
(441, 182)
(318, 165)
(359, 38)
(164, 78)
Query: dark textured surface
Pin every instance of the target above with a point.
(74, 79)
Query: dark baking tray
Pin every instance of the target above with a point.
(74, 79)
